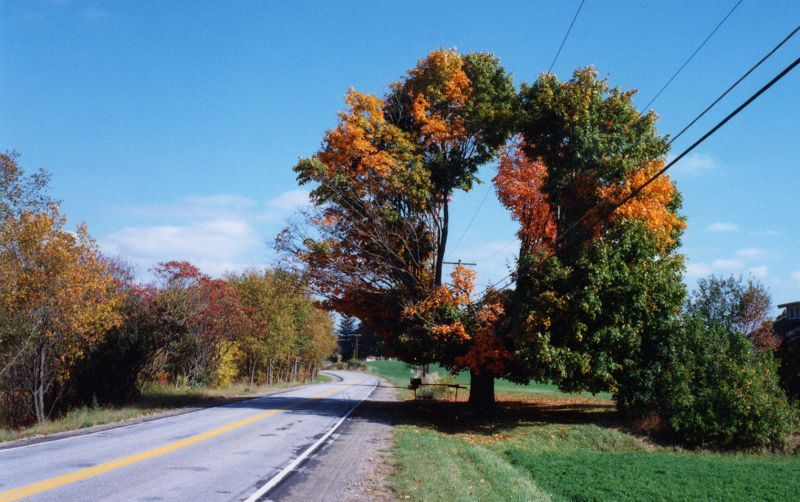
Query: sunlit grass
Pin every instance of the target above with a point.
(542, 444)
(399, 373)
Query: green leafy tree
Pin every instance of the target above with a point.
(346, 329)
(708, 386)
(738, 305)
(594, 282)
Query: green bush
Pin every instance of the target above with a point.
(708, 387)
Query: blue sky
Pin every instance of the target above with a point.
(171, 127)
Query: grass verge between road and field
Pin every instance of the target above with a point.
(546, 445)
(154, 399)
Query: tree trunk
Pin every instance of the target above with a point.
(481, 391)
(269, 374)
(39, 384)
(442, 244)
(252, 374)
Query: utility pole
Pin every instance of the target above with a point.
(355, 351)
(459, 262)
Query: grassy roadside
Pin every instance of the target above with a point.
(154, 399)
(544, 445)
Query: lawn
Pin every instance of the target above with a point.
(399, 373)
(154, 399)
(545, 445)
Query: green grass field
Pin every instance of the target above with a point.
(545, 445)
(399, 373)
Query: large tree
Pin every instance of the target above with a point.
(590, 281)
(375, 244)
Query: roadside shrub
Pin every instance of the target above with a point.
(435, 388)
(708, 387)
(356, 365)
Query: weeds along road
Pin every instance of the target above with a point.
(223, 453)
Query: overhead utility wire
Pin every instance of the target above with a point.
(693, 54)
(566, 35)
(694, 145)
(474, 215)
(706, 110)
(555, 58)
(729, 89)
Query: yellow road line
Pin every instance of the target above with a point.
(72, 477)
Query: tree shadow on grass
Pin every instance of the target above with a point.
(456, 417)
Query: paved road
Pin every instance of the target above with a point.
(222, 453)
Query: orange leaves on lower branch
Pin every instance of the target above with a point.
(450, 332)
(463, 282)
(486, 354)
(446, 295)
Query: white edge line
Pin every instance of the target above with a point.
(272, 483)
(143, 422)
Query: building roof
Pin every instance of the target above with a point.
(790, 304)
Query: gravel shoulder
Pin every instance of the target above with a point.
(354, 465)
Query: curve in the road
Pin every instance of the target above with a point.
(112, 465)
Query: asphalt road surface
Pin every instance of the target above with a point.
(222, 453)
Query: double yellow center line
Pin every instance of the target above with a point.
(72, 477)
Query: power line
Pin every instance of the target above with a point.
(685, 152)
(566, 35)
(694, 145)
(555, 58)
(474, 215)
(732, 86)
(709, 107)
(693, 54)
(690, 124)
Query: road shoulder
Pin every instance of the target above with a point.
(354, 465)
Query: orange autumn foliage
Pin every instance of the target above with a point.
(439, 90)
(519, 187)
(487, 352)
(446, 296)
(651, 205)
(367, 151)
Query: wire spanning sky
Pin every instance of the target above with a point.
(171, 127)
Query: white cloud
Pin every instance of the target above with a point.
(750, 252)
(215, 245)
(727, 264)
(723, 227)
(760, 272)
(795, 276)
(696, 270)
(289, 201)
(700, 269)
(194, 208)
(218, 233)
(767, 233)
(493, 258)
(696, 163)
